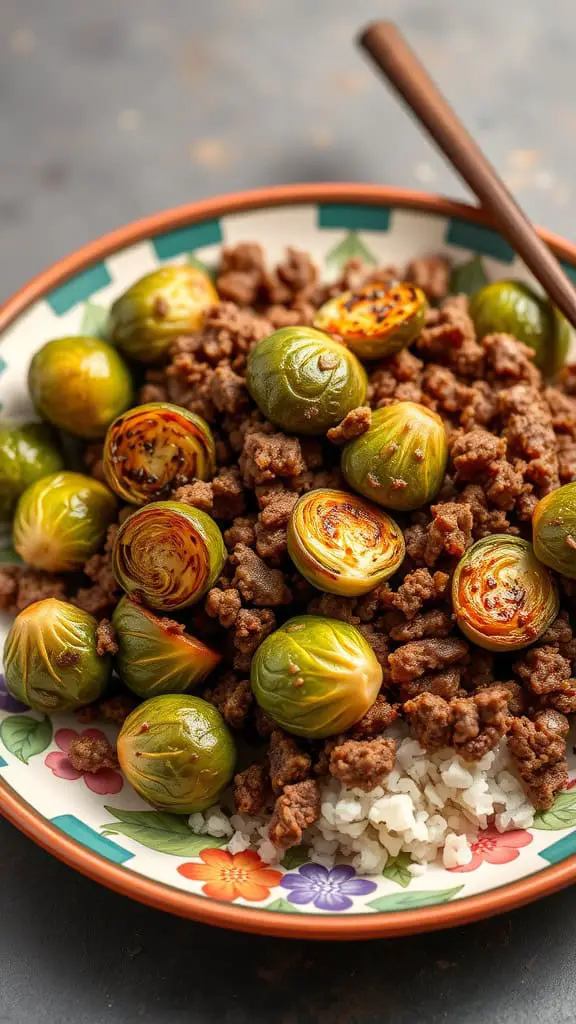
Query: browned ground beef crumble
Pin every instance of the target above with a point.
(511, 441)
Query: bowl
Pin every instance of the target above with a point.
(97, 824)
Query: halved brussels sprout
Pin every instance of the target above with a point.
(504, 599)
(157, 655)
(155, 448)
(304, 381)
(177, 752)
(174, 300)
(169, 553)
(514, 308)
(27, 453)
(342, 544)
(376, 320)
(50, 658)
(80, 385)
(315, 676)
(554, 530)
(61, 520)
(401, 460)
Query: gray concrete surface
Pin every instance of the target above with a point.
(114, 109)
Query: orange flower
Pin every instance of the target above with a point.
(230, 876)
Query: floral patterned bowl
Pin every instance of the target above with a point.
(96, 823)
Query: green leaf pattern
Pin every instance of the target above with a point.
(396, 869)
(351, 248)
(94, 320)
(25, 736)
(167, 833)
(410, 900)
(561, 815)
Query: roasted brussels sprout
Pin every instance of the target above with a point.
(61, 520)
(376, 320)
(27, 453)
(513, 308)
(152, 449)
(170, 553)
(503, 597)
(304, 381)
(342, 544)
(400, 461)
(315, 676)
(177, 752)
(554, 530)
(50, 658)
(156, 309)
(80, 385)
(157, 655)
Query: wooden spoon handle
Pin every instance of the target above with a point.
(396, 60)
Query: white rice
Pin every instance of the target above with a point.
(430, 807)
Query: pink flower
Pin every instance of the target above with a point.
(105, 781)
(496, 847)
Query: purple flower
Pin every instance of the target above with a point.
(327, 890)
(7, 701)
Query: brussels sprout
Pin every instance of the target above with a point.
(27, 453)
(304, 381)
(177, 752)
(376, 320)
(342, 544)
(80, 385)
(61, 520)
(513, 308)
(503, 597)
(554, 530)
(50, 657)
(169, 553)
(174, 300)
(401, 460)
(315, 676)
(157, 655)
(153, 449)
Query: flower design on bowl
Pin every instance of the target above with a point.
(231, 876)
(493, 847)
(328, 889)
(105, 781)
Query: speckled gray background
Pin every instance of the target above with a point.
(116, 108)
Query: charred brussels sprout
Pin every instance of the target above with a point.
(504, 599)
(168, 552)
(156, 309)
(342, 544)
(401, 460)
(80, 385)
(513, 308)
(376, 320)
(27, 453)
(177, 752)
(152, 449)
(315, 676)
(50, 657)
(554, 530)
(304, 381)
(61, 520)
(157, 655)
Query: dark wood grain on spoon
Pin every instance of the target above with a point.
(399, 64)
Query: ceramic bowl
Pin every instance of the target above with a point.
(96, 823)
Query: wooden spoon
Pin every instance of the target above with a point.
(399, 64)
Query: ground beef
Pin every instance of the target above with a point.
(544, 670)
(516, 697)
(295, 810)
(530, 435)
(377, 719)
(256, 582)
(264, 724)
(228, 492)
(418, 588)
(473, 453)
(450, 532)
(252, 626)
(378, 642)
(553, 720)
(444, 684)
(101, 598)
(481, 406)
(270, 529)
(485, 520)
(199, 494)
(472, 725)
(509, 360)
(566, 451)
(268, 456)
(479, 671)
(436, 623)
(444, 389)
(562, 410)
(416, 658)
(91, 754)
(252, 790)
(22, 587)
(540, 757)
(242, 271)
(223, 605)
(431, 274)
(363, 764)
(355, 423)
(561, 700)
(288, 762)
(242, 531)
(105, 638)
(233, 698)
(449, 339)
(334, 607)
